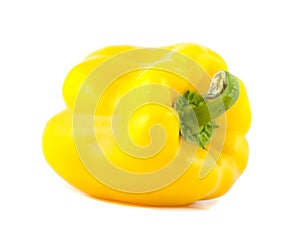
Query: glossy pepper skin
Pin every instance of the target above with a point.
(61, 153)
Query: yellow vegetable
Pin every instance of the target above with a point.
(136, 128)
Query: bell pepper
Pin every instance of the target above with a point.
(152, 126)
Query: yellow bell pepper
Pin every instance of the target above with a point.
(136, 128)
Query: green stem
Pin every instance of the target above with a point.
(197, 114)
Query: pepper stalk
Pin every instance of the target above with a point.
(197, 113)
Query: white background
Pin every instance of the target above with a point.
(40, 41)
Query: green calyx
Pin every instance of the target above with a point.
(197, 113)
